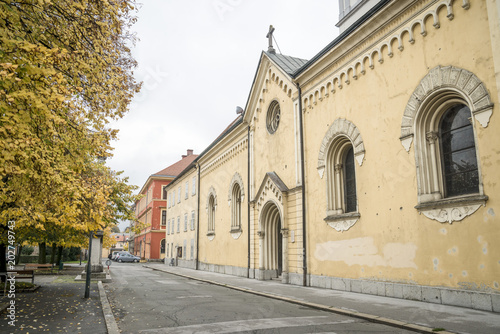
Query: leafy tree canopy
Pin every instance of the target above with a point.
(66, 71)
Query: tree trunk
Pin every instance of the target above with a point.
(59, 254)
(18, 255)
(3, 263)
(53, 253)
(42, 258)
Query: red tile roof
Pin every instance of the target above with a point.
(179, 166)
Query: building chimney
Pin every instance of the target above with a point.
(189, 152)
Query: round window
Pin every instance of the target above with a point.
(273, 117)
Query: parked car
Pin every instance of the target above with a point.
(128, 258)
(120, 254)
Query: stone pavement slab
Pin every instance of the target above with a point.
(419, 316)
(58, 306)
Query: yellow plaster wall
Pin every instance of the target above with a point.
(391, 241)
(275, 152)
(224, 249)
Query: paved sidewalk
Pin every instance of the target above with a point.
(413, 315)
(57, 306)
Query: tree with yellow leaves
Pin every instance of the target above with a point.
(65, 72)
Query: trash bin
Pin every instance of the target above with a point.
(61, 265)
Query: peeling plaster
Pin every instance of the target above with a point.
(362, 251)
(484, 244)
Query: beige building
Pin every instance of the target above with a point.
(372, 168)
(182, 214)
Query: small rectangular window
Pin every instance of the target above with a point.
(163, 218)
(178, 224)
(193, 191)
(192, 249)
(185, 222)
(187, 190)
(173, 198)
(168, 226)
(164, 192)
(192, 220)
(179, 197)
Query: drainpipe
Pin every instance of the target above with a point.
(198, 222)
(302, 176)
(248, 199)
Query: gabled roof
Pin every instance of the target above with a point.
(178, 167)
(286, 63)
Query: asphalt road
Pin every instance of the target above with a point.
(146, 301)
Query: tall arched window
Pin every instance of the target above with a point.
(458, 152)
(349, 182)
(211, 214)
(236, 207)
(341, 177)
(162, 246)
(441, 118)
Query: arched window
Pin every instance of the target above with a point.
(236, 207)
(441, 118)
(458, 152)
(341, 177)
(349, 182)
(211, 214)
(162, 246)
(445, 149)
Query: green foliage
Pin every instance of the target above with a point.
(27, 250)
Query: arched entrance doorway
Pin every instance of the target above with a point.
(271, 259)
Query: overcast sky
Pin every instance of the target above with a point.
(197, 60)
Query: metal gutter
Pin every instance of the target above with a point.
(302, 176)
(248, 199)
(198, 221)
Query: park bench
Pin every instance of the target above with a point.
(23, 274)
(36, 266)
(18, 274)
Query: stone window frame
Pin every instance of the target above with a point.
(236, 196)
(340, 137)
(211, 209)
(193, 217)
(442, 88)
(163, 224)
(273, 116)
(193, 189)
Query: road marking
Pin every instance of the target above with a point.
(182, 297)
(249, 325)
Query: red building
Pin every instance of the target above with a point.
(151, 210)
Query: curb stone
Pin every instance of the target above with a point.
(111, 324)
(364, 316)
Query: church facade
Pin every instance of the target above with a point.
(372, 167)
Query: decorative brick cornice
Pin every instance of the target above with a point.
(376, 54)
(230, 153)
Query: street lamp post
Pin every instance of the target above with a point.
(89, 267)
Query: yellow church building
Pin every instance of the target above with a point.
(373, 167)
